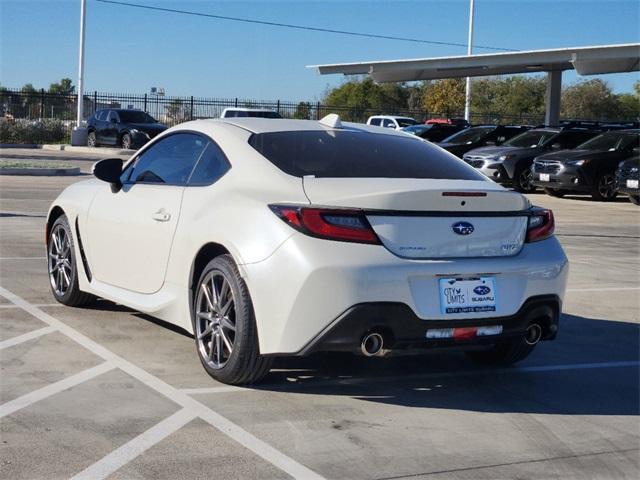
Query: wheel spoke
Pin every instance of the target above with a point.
(206, 331)
(204, 316)
(226, 341)
(56, 245)
(211, 348)
(207, 295)
(218, 348)
(224, 311)
(226, 323)
(224, 292)
(215, 297)
(67, 280)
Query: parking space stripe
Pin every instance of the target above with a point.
(26, 337)
(237, 433)
(22, 258)
(57, 387)
(415, 377)
(135, 447)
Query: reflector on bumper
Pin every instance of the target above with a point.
(464, 333)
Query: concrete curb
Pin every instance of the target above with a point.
(41, 172)
(69, 148)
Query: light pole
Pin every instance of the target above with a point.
(467, 95)
(79, 134)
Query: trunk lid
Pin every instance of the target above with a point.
(420, 219)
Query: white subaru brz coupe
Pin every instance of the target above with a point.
(266, 238)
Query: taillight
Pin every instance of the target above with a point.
(541, 225)
(329, 223)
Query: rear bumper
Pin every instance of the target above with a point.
(402, 329)
(307, 283)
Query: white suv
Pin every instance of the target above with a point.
(390, 121)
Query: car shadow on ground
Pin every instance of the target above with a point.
(450, 381)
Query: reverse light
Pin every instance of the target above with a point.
(541, 225)
(328, 223)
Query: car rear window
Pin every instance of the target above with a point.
(348, 154)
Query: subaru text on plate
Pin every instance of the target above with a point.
(268, 238)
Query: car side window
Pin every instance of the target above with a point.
(169, 161)
(375, 121)
(212, 165)
(388, 123)
(113, 114)
(101, 115)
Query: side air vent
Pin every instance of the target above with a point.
(85, 264)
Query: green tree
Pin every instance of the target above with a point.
(591, 99)
(176, 111)
(444, 97)
(63, 87)
(303, 111)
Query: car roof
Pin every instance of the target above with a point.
(246, 109)
(392, 116)
(269, 125)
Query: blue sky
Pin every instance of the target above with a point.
(130, 50)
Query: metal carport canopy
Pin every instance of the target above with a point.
(584, 60)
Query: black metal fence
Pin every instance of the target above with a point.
(43, 110)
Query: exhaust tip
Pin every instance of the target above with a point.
(534, 334)
(372, 344)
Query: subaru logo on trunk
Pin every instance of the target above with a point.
(462, 228)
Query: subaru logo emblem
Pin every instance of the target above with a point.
(481, 290)
(462, 228)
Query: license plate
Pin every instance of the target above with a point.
(467, 295)
(632, 183)
(544, 177)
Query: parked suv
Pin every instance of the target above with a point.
(120, 127)
(233, 112)
(589, 168)
(475, 137)
(628, 177)
(510, 163)
(391, 121)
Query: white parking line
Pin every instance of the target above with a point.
(57, 387)
(415, 377)
(26, 337)
(39, 305)
(130, 450)
(237, 433)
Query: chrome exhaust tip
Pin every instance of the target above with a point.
(534, 334)
(372, 344)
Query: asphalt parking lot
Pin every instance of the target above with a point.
(106, 392)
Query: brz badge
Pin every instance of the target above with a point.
(462, 228)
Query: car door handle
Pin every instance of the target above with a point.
(161, 216)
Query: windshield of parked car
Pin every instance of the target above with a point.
(349, 154)
(417, 129)
(252, 114)
(530, 139)
(135, 116)
(610, 141)
(469, 135)
(406, 122)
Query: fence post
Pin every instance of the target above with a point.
(278, 107)
(95, 101)
(318, 111)
(145, 102)
(191, 108)
(41, 103)
(236, 104)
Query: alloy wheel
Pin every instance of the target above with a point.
(215, 320)
(526, 179)
(59, 261)
(607, 186)
(126, 141)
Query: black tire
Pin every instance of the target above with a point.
(243, 364)
(635, 199)
(505, 353)
(125, 141)
(62, 266)
(555, 192)
(604, 187)
(91, 139)
(522, 178)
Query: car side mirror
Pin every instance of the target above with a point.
(490, 143)
(556, 146)
(109, 170)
